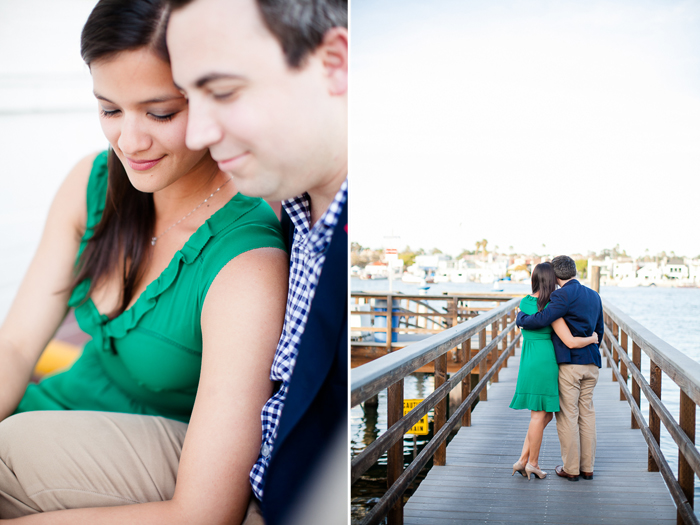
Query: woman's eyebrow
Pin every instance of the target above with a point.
(155, 100)
(167, 98)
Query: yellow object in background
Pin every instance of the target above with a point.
(57, 355)
(420, 428)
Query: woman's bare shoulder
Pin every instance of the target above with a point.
(70, 199)
(80, 173)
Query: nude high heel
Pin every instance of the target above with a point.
(518, 467)
(529, 469)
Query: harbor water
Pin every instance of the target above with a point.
(673, 314)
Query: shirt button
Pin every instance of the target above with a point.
(265, 450)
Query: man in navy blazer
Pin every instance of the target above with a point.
(582, 310)
(267, 87)
(315, 412)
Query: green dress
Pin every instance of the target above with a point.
(148, 359)
(538, 377)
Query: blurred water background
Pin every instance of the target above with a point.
(671, 313)
(48, 121)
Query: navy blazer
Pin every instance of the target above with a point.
(582, 310)
(317, 401)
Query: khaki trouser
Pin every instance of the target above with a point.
(62, 460)
(576, 418)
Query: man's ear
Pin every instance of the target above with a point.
(333, 53)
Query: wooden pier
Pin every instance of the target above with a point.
(476, 486)
(470, 481)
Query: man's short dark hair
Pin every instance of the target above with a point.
(564, 267)
(298, 25)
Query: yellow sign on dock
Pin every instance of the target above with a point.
(420, 428)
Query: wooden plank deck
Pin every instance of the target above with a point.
(476, 485)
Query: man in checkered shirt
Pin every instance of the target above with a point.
(281, 133)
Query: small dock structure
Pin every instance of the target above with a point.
(470, 480)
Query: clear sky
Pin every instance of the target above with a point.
(570, 124)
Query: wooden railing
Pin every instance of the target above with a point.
(620, 330)
(423, 315)
(389, 371)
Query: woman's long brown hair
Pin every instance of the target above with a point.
(121, 238)
(544, 281)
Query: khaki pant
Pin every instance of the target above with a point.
(62, 460)
(576, 418)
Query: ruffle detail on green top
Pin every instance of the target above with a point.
(120, 325)
(117, 328)
(535, 402)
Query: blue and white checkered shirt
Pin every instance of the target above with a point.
(306, 261)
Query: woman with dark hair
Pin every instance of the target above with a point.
(180, 280)
(537, 388)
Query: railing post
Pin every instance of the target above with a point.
(686, 476)
(440, 409)
(654, 420)
(483, 396)
(395, 453)
(616, 358)
(504, 343)
(467, 383)
(623, 366)
(495, 352)
(390, 325)
(637, 360)
(511, 333)
(462, 353)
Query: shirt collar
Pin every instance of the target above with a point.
(317, 238)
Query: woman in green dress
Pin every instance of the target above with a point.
(181, 282)
(537, 388)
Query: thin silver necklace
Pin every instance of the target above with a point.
(154, 239)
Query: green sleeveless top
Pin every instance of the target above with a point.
(148, 359)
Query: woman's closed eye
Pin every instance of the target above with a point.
(158, 118)
(108, 113)
(162, 118)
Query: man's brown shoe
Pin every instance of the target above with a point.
(561, 472)
(586, 475)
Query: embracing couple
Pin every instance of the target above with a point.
(559, 367)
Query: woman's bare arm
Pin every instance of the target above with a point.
(562, 330)
(242, 321)
(41, 301)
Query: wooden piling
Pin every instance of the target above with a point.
(594, 272)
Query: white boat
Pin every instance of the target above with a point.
(408, 277)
